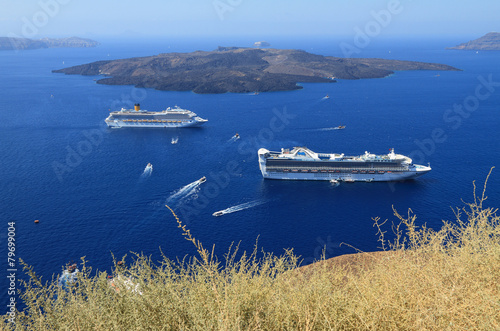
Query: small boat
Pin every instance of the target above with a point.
(175, 140)
(202, 179)
(72, 268)
(149, 167)
(236, 136)
(218, 213)
(340, 127)
(326, 97)
(68, 276)
(334, 181)
(348, 180)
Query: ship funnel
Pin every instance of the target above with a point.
(137, 107)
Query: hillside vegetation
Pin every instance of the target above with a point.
(448, 279)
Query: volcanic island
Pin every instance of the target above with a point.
(240, 70)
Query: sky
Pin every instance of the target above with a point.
(169, 18)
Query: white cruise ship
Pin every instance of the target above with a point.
(301, 163)
(168, 118)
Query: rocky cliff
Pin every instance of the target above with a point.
(488, 42)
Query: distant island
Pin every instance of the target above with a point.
(239, 70)
(488, 42)
(8, 43)
(261, 44)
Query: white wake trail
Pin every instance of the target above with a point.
(184, 192)
(234, 138)
(325, 129)
(146, 173)
(240, 207)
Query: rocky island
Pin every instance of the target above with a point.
(488, 42)
(8, 43)
(239, 70)
(261, 44)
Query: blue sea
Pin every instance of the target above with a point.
(86, 183)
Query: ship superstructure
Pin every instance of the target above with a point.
(168, 118)
(301, 163)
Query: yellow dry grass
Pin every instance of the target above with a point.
(424, 280)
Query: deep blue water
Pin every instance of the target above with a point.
(84, 182)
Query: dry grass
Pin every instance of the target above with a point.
(425, 280)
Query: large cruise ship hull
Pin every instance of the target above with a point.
(168, 118)
(303, 164)
(121, 124)
(346, 177)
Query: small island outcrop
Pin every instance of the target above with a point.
(11, 43)
(488, 42)
(261, 44)
(239, 70)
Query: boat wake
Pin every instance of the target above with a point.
(240, 207)
(340, 127)
(147, 172)
(184, 192)
(234, 138)
(327, 129)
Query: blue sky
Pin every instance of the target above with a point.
(91, 18)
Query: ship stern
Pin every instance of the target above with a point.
(263, 155)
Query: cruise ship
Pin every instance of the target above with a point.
(138, 118)
(301, 163)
